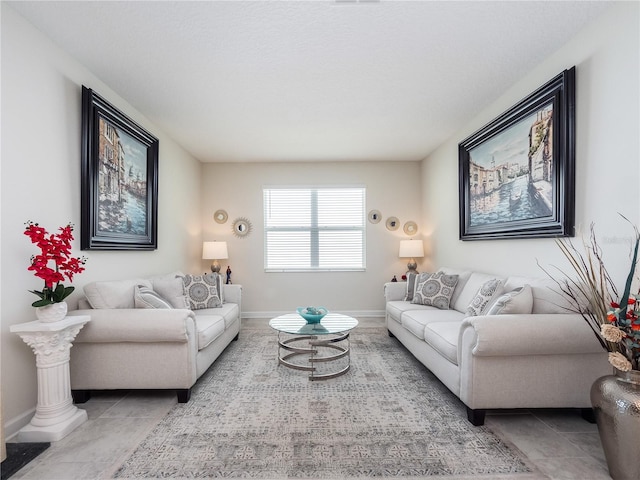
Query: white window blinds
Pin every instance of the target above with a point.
(314, 229)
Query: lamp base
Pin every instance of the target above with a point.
(215, 267)
(411, 267)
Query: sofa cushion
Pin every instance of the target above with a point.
(114, 294)
(201, 291)
(395, 308)
(484, 296)
(145, 297)
(435, 290)
(518, 301)
(546, 298)
(228, 311)
(171, 288)
(415, 321)
(443, 337)
(209, 328)
(474, 283)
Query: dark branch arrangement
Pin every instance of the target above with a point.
(593, 294)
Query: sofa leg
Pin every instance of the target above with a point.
(183, 395)
(391, 334)
(235, 339)
(588, 414)
(80, 396)
(476, 417)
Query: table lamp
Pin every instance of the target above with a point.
(411, 249)
(214, 251)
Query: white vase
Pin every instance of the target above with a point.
(52, 313)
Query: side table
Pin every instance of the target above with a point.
(56, 415)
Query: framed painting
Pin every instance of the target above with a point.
(119, 191)
(516, 174)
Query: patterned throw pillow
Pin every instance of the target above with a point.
(202, 291)
(518, 301)
(145, 297)
(435, 289)
(413, 279)
(486, 293)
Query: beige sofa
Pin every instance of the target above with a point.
(541, 358)
(124, 347)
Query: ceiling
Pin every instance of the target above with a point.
(309, 80)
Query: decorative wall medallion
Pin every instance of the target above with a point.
(241, 227)
(410, 228)
(375, 216)
(220, 216)
(393, 223)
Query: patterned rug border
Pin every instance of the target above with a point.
(253, 328)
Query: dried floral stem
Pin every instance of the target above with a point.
(592, 291)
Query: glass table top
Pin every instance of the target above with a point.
(295, 324)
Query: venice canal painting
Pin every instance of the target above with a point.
(511, 175)
(122, 182)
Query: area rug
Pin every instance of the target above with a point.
(387, 417)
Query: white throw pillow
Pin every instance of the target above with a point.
(487, 292)
(145, 297)
(518, 301)
(115, 294)
(171, 288)
(435, 289)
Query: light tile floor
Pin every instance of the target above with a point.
(559, 443)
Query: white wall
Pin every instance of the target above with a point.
(392, 187)
(41, 108)
(40, 181)
(606, 55)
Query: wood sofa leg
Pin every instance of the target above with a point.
(588, 414)
(235, 339)
(391, 334)
(80, 396)
(183, 395)
(476, 417)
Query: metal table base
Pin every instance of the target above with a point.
(312, 351)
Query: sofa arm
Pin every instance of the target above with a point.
(534, 334)
(136, 325)
(395, 291)
(233, 293)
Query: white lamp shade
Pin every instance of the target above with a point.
(214, 251)
(411, 249)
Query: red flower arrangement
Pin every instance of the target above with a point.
(56, 248)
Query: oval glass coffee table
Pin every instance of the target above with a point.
(318, 343)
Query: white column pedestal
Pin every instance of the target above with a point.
(56, 415)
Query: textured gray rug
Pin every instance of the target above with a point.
(387, 417)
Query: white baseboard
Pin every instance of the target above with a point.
(13, 426)
(351, 313)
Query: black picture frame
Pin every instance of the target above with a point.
(517, 173)
(119, 188)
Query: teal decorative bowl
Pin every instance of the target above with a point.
(312, 314)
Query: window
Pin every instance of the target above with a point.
(314, 229)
